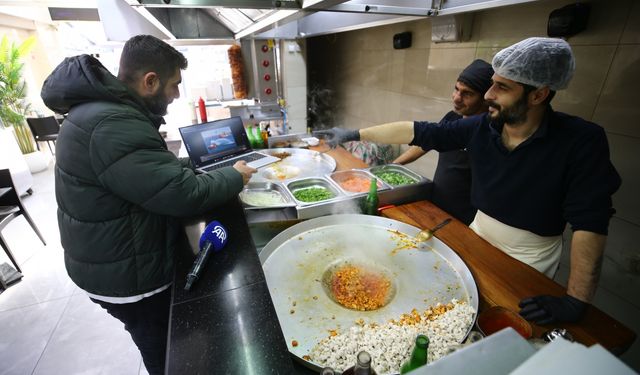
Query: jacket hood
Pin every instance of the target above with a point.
(82, 79)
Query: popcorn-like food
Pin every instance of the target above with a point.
(390, 344)
(403, 242)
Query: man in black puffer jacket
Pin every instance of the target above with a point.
(119, 190)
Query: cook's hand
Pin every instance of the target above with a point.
(548, 309)
(335, 136)
(245, 170)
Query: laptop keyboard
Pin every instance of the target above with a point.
(229, 163)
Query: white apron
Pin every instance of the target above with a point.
(541, 253)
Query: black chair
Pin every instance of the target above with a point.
(10, 208)
(44, 129)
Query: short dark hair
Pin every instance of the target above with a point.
(145, 53)
(528, 89)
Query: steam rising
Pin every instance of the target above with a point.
(358, 244)
(347, 207)
(320, 110)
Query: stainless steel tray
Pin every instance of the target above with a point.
(285, 140)
(398, 169)
(298, 164)
(295, 261)
(340, 176)
(265, 187)
(313, 182)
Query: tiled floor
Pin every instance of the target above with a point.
(47, 324)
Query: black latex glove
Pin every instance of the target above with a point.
(335, 136)
(548, 309)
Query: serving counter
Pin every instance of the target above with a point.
(504, 281)
(227, 323)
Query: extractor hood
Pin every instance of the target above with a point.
(286, 19)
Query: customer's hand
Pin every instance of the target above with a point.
(245, 170)
(549, 309)
(335, 136)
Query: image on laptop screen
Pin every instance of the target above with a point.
(219, 140)
(216, 140)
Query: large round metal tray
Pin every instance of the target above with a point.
(295, 260)
(300, 163)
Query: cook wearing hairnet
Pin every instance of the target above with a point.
(537, 62)
(533, 169)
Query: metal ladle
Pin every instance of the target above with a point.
(426, 234)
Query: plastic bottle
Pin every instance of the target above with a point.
(258, 136)
(203, 110)
(250, 136)
(250, 122)
(418, 356)
(370, 206)
(362, 367)
(251, 132)
(267, 128)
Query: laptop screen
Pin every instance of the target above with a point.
(214, 141)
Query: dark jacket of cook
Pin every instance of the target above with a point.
(560, 174)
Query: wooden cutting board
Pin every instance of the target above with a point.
(504, 281)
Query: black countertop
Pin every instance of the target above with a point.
(227, 323)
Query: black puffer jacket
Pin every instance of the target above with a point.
(119, 189)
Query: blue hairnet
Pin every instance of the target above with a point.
(537, 62)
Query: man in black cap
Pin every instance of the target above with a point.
(452, 179)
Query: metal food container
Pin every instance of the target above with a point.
(274, 189)
(313, 182)
(278, 141)
(341, 176)
(295, 163)
(395, 168)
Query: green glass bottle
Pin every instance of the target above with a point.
(418, 356)
(370, 206)
(363, 365)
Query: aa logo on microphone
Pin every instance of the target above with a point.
(220, 233)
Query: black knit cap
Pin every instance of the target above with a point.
(477, 76)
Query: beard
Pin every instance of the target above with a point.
(512, 115)
(469, 110)
(158, 103)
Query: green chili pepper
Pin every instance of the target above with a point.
(395, 178)
(313, 194)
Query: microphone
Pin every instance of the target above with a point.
(214, 238)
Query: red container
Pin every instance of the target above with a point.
(496, 318)
(203, 110)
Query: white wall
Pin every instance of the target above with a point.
(294, 79)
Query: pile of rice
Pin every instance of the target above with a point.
(390, 344)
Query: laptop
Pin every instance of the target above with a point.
(221, 143)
